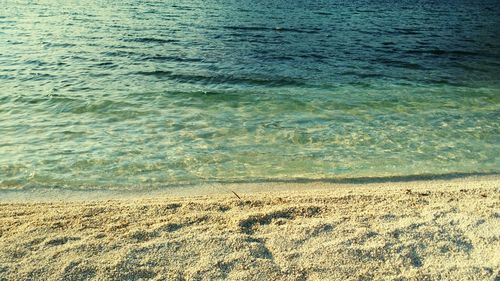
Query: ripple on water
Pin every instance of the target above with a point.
(155, 94)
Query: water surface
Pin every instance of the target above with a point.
(138, 94)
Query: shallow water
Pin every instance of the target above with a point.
(138, 94)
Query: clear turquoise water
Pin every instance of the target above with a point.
(140, 94)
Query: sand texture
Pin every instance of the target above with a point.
(421, 230)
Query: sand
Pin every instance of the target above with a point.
(415, 230)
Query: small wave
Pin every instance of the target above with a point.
(440, 52)
(313, 56)
(159, 73)
(366, 179)
(362, 74)
(444, 81)
(56, 44)
(323, 13)
(469, 67)
(172, 58)
(150, 40)
(297, 30)
(36, 62)
(37, 76)
(248, 28)
(7, 77)
(106, 64)
(400, 64)
(183, 8)
(281, 58)
(81, 105)
(12, 42)
(103, 106)
(276, 29)
(404, 31)
(223, 79)
(120, 53)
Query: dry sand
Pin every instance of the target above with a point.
(419, 230)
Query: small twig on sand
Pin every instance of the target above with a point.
(236, 194)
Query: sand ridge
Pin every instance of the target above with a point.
(424, 230)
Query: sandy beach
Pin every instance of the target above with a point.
(413, 230)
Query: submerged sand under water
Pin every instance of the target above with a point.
(419, 230)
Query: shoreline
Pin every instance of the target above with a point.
(220, 188)
(428, 229)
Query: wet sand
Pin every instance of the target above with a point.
(413, 230)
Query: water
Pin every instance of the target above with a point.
(140, 94)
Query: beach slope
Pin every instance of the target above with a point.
(414, 230)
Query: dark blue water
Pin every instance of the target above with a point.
(134, 94)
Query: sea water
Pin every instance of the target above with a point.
(140, 94)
